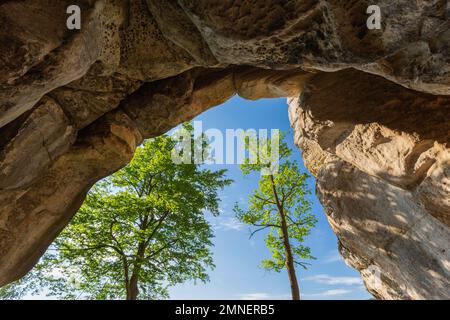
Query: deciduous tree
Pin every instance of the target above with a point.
(138, 232)
(279, 205)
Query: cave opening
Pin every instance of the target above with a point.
(380, 160)
(237, 274)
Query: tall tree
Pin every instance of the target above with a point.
(279, 205)
(139, 231)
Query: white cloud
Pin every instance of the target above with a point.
(254, 296)
(329, 293)
(267, 296)
(228, 223)
(333, 280)
(262, 296)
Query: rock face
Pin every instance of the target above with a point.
(370, 109)
(382, 161)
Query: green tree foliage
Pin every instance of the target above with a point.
(279, 205)
(138, 232)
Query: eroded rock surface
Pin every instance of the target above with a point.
(381, 160)
(74, 105)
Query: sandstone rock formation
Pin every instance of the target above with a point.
(370, 108)
(381, 160)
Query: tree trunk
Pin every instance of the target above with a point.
(290, 267)
(132, 290)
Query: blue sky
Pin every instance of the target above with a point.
(237, 274)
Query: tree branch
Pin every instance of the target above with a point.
(264, 199)
(257, 230)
